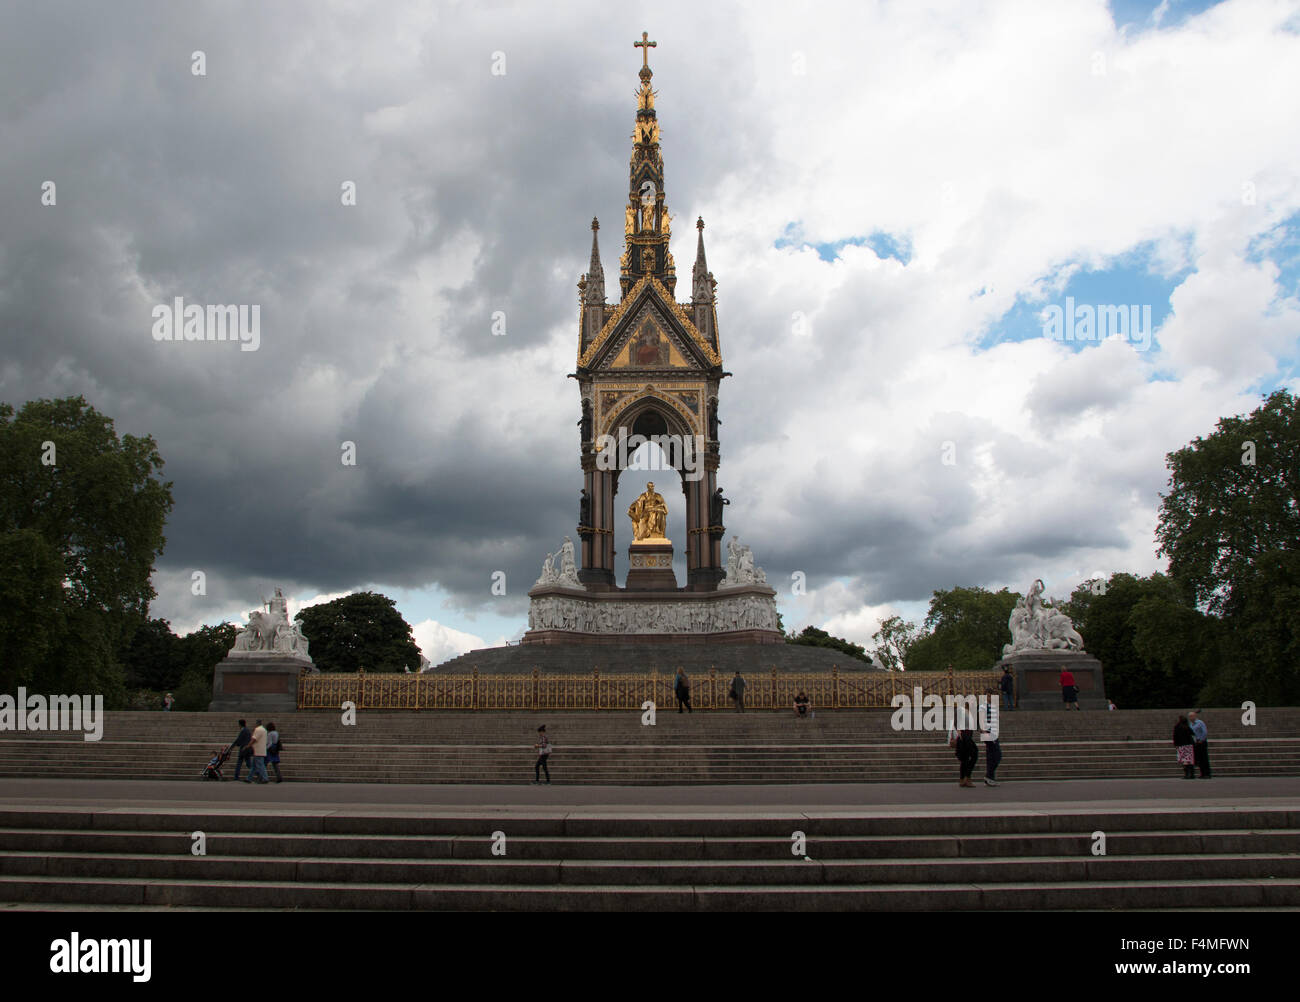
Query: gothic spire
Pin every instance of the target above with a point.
(594, 292)
(648, 226)
(701, 279)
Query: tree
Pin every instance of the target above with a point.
(968, 628)
(203, 649)
(1230, 526)
(361, 630)
(1156, 648)
(150, 659)
(1233, 496)
(813, 637)
(81, 520)
(894, 641)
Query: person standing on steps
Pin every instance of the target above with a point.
(962, 742)
(543, 748)
(738, 691)
(273, 750)
(1008, 686)
(1069, 691)
(682, 689)
(244, 743)
(1183, 745)
(1200, 742)
(992, 749)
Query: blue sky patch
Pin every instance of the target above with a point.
(1133, 280)
(883, 245)
(1139, 14)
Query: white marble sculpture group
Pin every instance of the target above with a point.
(272, 632)
(740, 566)
(567, 574)
(1037, 626)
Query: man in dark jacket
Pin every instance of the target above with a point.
(244, 744)
(1008, 686)
(738, 691)
(1201, 743)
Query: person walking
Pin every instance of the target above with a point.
(273, 750)
(1069, 691)
(738, 691)
(543, 749)
(963, 743)
(1007, 683)
(682, 689)
(257, 771)
(992, 750)
(1200, 742)
(168, 700)
(1183, 742)
(244, 743)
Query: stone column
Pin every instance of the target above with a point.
(597, 569)
(704, 570)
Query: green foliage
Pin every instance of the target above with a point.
(967, 629)
(81, 520)
(1155, 647)
(361, 630)
(1230, 526)
(194, 693)
(159, 661)
(1222, 512)
(894, 642)
(198, 653)
(150, 659)
(813, 637)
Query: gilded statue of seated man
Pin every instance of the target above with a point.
(649, 515)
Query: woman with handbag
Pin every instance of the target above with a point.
(543, 748)
(968, 753)
(1184, 746)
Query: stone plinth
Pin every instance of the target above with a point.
(650, 566)
(257, 682)
(1038, 673)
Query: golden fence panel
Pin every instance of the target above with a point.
(765, 690)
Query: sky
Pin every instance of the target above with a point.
(896, 196)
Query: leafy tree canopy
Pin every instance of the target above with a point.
(813, 637)
(361, 630)
(81, 523)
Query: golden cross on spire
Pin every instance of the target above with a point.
(645, 45)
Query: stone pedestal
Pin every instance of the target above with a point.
(650, 566)
(257, 682)
(1038, 673)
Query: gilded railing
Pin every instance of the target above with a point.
(769, 690)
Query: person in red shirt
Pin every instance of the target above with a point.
(1069, 691)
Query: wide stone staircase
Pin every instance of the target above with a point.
(1247, 857)
(616, 748)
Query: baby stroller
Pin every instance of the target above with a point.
(213, 769)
